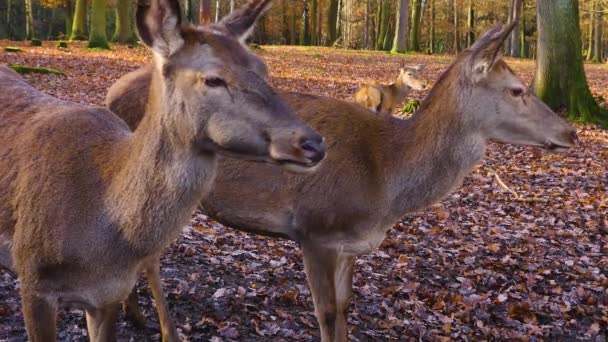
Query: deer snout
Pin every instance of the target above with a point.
(298, 150)
(313, 148)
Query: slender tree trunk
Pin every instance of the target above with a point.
(51, 21)
(321, 6)
(332, 19)
(383, 9)
(389, 40)
(596, 57)
(456, 31)
(314, 38)
(68, 11)
(515, 35)
(415, 25)
(97, 37)
(522, 41)
(591, 28)
(79, 28)
(231, 6)
(30, 31)
(9, 26)
(204, 12)
(560, 77)
(471, 24)
(432, 29)
(124, 25)
(367, 19)
(218, 10)
(400, 42)
(292, 26)
(304, 32)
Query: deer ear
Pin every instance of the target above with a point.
(487, 50)
(158, 24)
(242, 21)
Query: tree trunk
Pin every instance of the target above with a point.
(400, 42)
(432, 29)
(231, 6)
(522, 41)
(304, 32)
(321, 5)
(97, 37)
(456, 32)
(332, 19)
(367, 10)
(560, 77)
(515, 35)
(204, 12)
(68, 11)
(389, 39)
(314, 38)
(218, 11)
(596, 56)
(471, 24)
(124, 25)
(416, 23)
(383, 11)
(292, 26)
(30, 31)
(9, 10)
(591, 27)
(79, 28)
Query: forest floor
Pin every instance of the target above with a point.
(481, 265)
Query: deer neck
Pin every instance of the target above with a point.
(399, 90)
(159, 182)
(432, 152)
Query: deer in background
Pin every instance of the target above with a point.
(85, 202)
(383, 99)
(378, 168)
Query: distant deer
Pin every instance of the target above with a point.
(85, 202)
(378, 168)
(383, 99)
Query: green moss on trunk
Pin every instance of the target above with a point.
(98, 38)
(560, 76)
(124, 25)
(79, 28)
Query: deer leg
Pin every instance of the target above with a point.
(330, 279)
(167, 326)
(101, 323)
(40, 318)
(132, 311)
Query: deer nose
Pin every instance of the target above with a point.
(313, 148)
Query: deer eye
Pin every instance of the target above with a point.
(214, 82)
(517, 92)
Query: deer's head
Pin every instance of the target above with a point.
(214, 91)
(409, 76)
(493, 97)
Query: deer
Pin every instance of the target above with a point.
(384, 99)
(85, 201)
(378, 168)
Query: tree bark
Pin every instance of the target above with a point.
(591, 28)
(9, 10)
(204, 12)
(218, 10)
(292, 26)
(68, 11)
(79, 28)
(367, 10)
(560, 77)
(400, 42)
(384, 11)
(231, 6)
(97, 37)
(416, 25)
(124, 33)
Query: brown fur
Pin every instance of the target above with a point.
(85, 202)
(377, 169)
